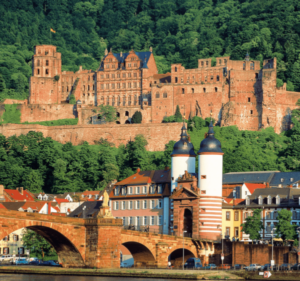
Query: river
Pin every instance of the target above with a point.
(35, 277)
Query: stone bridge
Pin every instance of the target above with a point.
(96, 242)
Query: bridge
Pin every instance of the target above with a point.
(96, 242)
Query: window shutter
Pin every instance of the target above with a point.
(126, 205)
(148, 204)
(155, 220)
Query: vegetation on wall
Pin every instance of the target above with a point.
(11, 114)
(137, 117)
(59, 122)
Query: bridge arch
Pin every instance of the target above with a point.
(66, 243)
(176, 256)
(140, 253)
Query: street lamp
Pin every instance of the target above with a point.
(272, 261)
(183, 248)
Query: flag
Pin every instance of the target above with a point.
(52, 30)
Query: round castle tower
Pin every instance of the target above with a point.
(183, 158)
(210, 176)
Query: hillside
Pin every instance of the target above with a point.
(179, 31)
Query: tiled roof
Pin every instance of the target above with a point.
(17, 196)
(2, 206)
(13, 206)
(34, 205)
(60, 200)
(249, 177)
(285, 179)
(252, 186)
(234, 202)
(92, 209)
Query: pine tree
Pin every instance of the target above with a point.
(178, 115)
(137, 117)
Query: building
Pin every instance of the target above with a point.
(142, 200)
(15, 195)
(238, 93)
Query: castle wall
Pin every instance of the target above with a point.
(157, 135)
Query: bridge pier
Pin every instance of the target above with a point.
(162, 254)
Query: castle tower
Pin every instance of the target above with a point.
(247, 57)
(210, 175)
(45, 83)
(183, 158)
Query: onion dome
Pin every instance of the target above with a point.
(210, 143)
(183, 147)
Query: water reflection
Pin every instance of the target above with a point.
(34, 277)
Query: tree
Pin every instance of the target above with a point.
(37, 245)
(178, 115)
(33, 181)
(72, 99)
(107, 113)
(284, 228)
(2, 83)
(253, 225)
(137, 117)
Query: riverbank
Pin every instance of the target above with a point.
(124, 272)
(287, 275)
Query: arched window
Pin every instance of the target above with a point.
(118, 114)
(157, 95)
(204, 90)
(216, 89)
(38, 63)
(218, 78)
(252, 65)
(176, 80)
(175, 69)
(193, 90)
(126, 113)
(47, 63)
(182, 90)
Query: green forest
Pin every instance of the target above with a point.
(39, 163)
(180, 31)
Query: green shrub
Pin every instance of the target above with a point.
(11, 115)
(59, 122)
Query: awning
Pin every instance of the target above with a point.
(278, 239)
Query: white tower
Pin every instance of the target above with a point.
(183, 158)
(210, 176)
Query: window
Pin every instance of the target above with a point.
(130, 205)
(157, 95)
(137, 221)
(152, 204)
(47, 71)
(6, 238)
(118, 75)
(251, 111)
(260, 201)
(218, 78)
(137, 189)
(159, 188)
(175, 69)
(107, 86)
(256, 75)
(193, 90)
(252, 66)
(124, 220)
(47, 63)
(124, 75)
(236, 232)
(16, 237)
(118, 85)
(5, 250)
(152, 222)
(116, 205)
(165, 95)
(182, 90)
(152, 189)
(129, 65)
(123, 205)
(112, 76)
(202, 63)
(134, 84)
(159, 203)
(144, 189)
(204, 90)
(176, 80)
(236, 215)
(227, 233)
(38, 63)
(130, 190)
(123, 85)
(249, 99)
(129, 75)
(159, 220)
(207, 63)
(268, 216)
(137, 205)
(228, 216)
(123, 190)
(216, 89)
(112, 86)
(244, 66)
(38, 71)
(134, 74)
(145, 221)
(145, 204)
(130, 220)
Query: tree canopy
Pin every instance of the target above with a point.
(253, 225)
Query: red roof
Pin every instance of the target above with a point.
(59, 200)
(2, 207)
(37, 206)
(17, 196)
(232, 201)
(252, 186)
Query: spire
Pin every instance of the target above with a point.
(247, 57)
(183, 135)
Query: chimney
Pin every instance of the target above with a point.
(21, 190)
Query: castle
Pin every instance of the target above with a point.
(237, 93)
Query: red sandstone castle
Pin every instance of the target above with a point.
(238, 93)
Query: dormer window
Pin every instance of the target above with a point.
(130, 190)
(152, 189)
(247, 200)
(291, 179)
(282, 179)
(260, 201)
(269, 200)
(123, 190)
(159, 188)
(144, 189)
(277, 200)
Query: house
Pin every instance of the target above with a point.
(89, 209)
(15, 195)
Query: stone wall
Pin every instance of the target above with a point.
(157, 135)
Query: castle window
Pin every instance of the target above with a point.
(182, 90)
(218, 78)
(251, 111)
(107, 101)
(244, 66)
(113, 103)
(67, 88)
(256, 75)
(88, 87)
(175, 69)
(107, 66)
(38, 71)
(119, 100)
(47, 71)
(225, 61)
(112, 76)
(107, 86)
(102, 76)
(211, 78)
(47, 63)
(204, 90)
(249, 99)
(113, 66)
(129, 85)
(94, 87)
(46, 52)
(118, 85)
(62, 88)
(112, 86)
(102, 86)
(123, 85)
(165, 95)
(135, 65)
(129, 101)
(205, 78)
(129, 75)
(129, 64)
(140, 74)
(206, 63)
(220, 61)
(216, 89)
(135, 99)
(124, 101)
(38, 63)
(89, 78)
(252, 65)
(157, 95)
(176, 80)
(124, 75)
(202, 63)
(193, 90)
(107, 76)
(134, 84)
(134, 75)
(118, 75)
(102, 99)
(126, 113)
